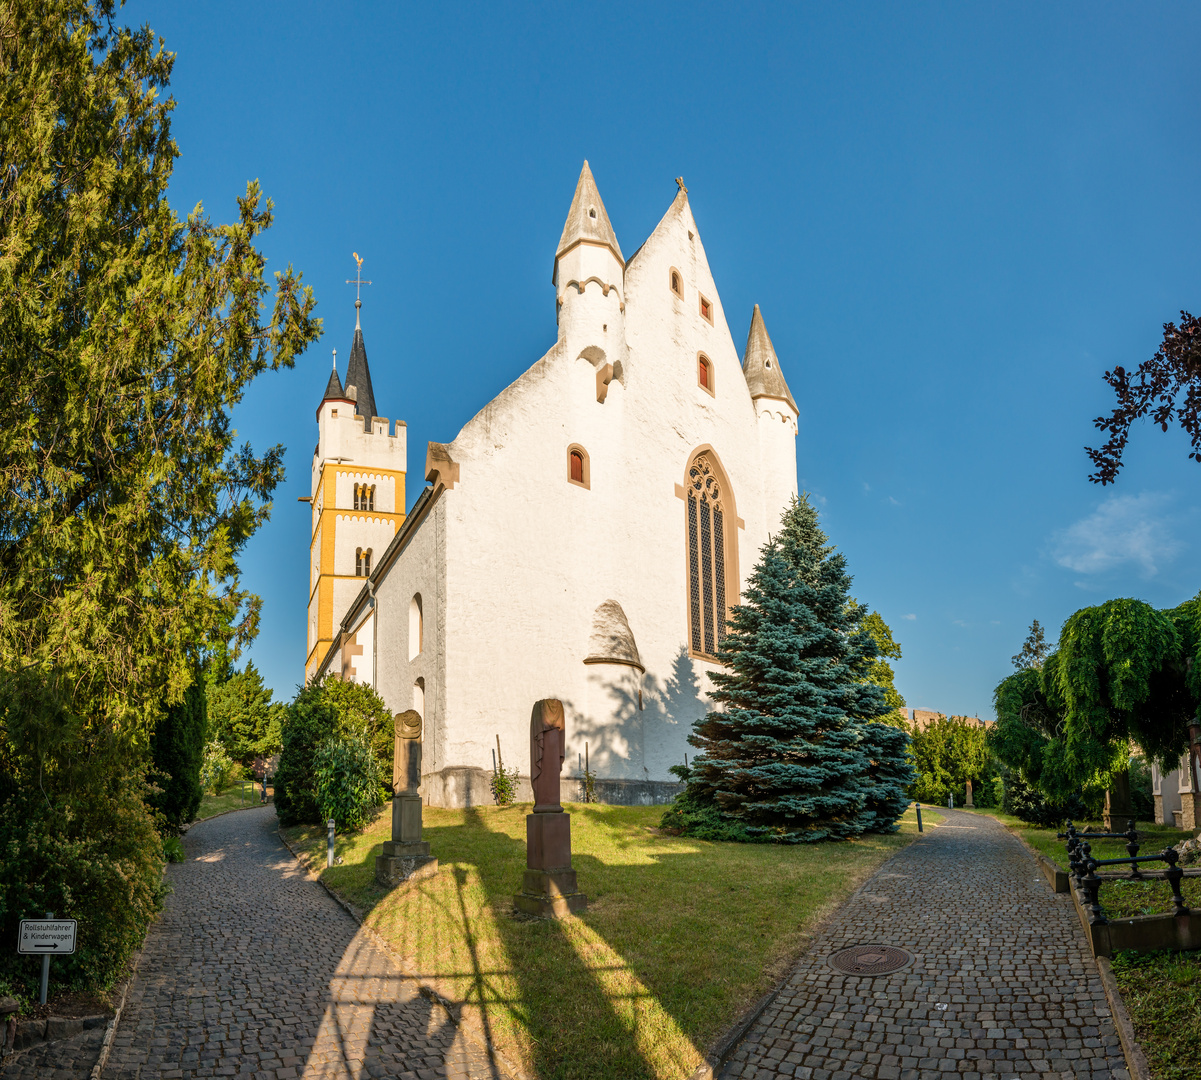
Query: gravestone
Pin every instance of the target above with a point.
(549, 887)
(406, 856)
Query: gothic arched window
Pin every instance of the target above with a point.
(707, 526)
(358, 562)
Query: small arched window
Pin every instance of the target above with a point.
(362, 562)
(416, 628)
(370, 498)
(578, 471)
(707, 523)
(677, 283)
(704, 372)
(367, 562)
(356, 496)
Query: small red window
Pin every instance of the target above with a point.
(702, 373)
(577, 466)
(706, 309)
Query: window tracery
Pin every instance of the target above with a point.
(706, 558)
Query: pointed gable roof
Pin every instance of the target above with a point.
(358, 375)
(761, 367)
(587, 219)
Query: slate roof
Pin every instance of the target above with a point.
(333, 388)
(761, 367)
(358, 375)
(587, 219)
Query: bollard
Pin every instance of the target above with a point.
(329, 850)
(919, 816)
(951, 802)
(45, 969)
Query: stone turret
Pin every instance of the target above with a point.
(589, 280)
(777, 415)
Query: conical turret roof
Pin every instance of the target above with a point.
(358, 375)
(333, 388)
(587, 219)
(761, 367)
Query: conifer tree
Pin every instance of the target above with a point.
(793, 756)
(177, 749)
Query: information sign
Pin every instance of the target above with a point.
(47, 937)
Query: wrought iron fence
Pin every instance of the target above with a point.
(1089, 875)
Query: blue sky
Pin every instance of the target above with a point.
(954, 217)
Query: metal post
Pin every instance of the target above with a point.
(951, 801)
(45, 969)
(919, 816)
(329, 850)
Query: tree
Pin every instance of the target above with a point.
(243, 717)
(1167, 387)
(946, 755)
(1033, 652)
(126, 337)
(788, 758)
(1124, 672)
(177, 750)
(880, 670)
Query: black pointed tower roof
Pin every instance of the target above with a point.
(333, 388)
(358, 375)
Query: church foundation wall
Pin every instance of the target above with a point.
(456, 788)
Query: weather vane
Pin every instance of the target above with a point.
(357, 281)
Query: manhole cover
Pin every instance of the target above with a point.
(870, 960)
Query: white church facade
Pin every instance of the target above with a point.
(582, 537)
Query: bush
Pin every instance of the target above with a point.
(1030, 805)
(173, 849)
(217, 771)
(320, 711)
(689, 815)
(92, 855)
(503, 784)
(177, 748)
(347, 780)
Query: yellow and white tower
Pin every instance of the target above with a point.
(358, 495)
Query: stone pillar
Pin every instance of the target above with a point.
(1118, 808)
(549, 885)
(406, 856)
(1190, 785)
(968, 800)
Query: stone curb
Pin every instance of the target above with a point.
(723, 1048)
(465, 1024)
(107, 1046)
(1136, 1060)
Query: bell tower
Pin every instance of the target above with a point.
(358, 492)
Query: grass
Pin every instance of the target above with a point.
(1119, 899)
(1162, 992)
(680, 935)
(230, 799)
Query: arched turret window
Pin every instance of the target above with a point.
(362, 562)
(364, 497)
(709, 521)
(677, 283)
(704, 372)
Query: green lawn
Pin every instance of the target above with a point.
(680, 936)
(1162, 992)
(230, 798)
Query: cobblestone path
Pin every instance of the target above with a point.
(63, 1059)
(1003, 984)
(252, 970)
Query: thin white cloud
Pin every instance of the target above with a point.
(893, 501)
(1123, 529)
(909, 617)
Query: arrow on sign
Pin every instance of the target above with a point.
(54, 946)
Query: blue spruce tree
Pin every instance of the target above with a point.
(794, 756)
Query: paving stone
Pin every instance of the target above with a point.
(63, 1059)
(253, 970)
(1004, 955)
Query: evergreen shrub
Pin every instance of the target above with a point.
(177, 750)
(347, 780)
(217, 770)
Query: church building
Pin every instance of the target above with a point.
(583, 537)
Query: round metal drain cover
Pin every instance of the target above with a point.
(870, 960)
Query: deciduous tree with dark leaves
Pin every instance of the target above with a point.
(1167, 388)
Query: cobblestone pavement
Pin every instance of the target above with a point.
(1002, 985)
(63, 1059)
(252, 970)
